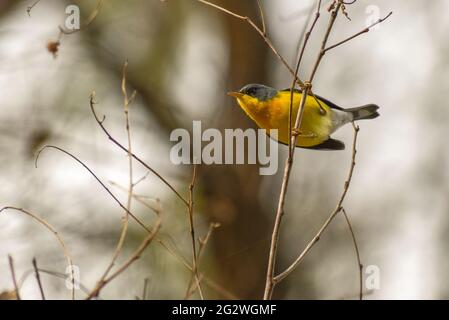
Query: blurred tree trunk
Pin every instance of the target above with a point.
(232, 192)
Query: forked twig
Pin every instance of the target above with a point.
(125, 218)
(271, 279)
(135, 256)
(367, 29)
(337, 209)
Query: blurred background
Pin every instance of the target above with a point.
(183, 57)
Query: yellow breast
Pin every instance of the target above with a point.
(316, 122)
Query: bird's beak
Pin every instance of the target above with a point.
(235, 94)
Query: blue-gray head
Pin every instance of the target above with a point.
(258, 91)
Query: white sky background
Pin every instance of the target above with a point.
(400, 66)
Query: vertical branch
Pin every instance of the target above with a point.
(38, 278)
(192, 235)
(13, 276)
(270, 282)
(203, 242)
(357, 253)
(145, 289)
(125, 218)
(301, 54)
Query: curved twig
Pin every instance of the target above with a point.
(96, 178)
(58, 238)
(118, 144)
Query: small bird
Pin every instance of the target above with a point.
(269, 108)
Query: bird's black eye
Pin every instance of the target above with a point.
(251, 91)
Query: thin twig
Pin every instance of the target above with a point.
(357, 252)
(96, 178)
(270, 282)
(337, 209)
(140, 199)
(180, 258)
(125, 218)
(203, 243)
(13, 276)
(264, 28)
(58, 238)
(29, 8)
(59, 275)
(209, 282)
(261, 33)
(367, 29)
(192, 235)
(135, 256)
(110, 137)
(38, 279)
(306, 40)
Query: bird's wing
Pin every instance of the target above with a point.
(330, 104)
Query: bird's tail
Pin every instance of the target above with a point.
(368, 111)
